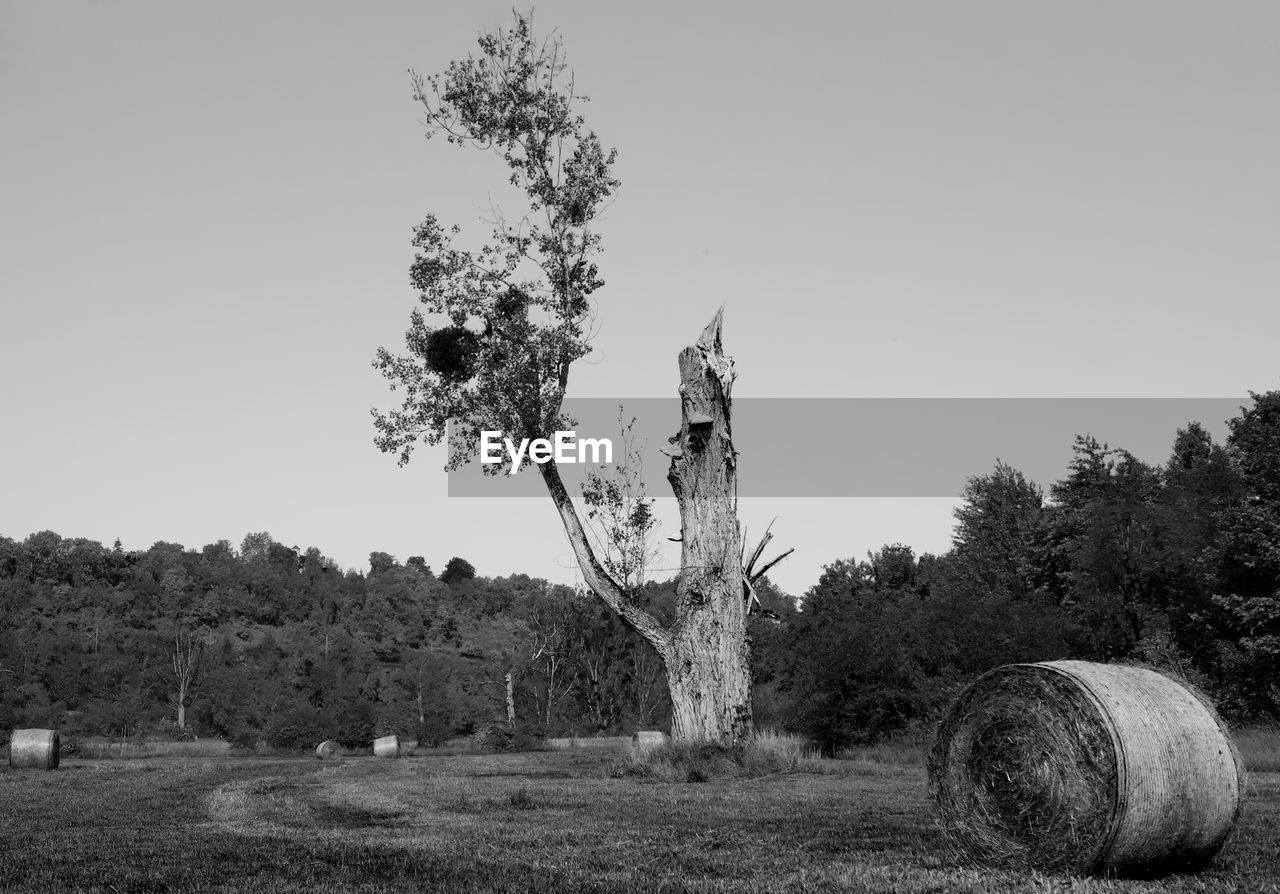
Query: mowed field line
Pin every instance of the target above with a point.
(549, 821)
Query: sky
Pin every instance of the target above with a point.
(206, 213)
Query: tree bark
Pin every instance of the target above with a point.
(706, 650)
(511, 702)
(709, 657)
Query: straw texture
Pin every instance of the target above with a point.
(328, 750)
(387, 746)
(34, 749)
(1087, 768)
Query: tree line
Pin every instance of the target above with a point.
(1174, 565)
(269, 644)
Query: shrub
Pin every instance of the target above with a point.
(769, 751)
(681, 762)
(296, 728)
(500, 737)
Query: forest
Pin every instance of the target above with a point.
(1175, 566)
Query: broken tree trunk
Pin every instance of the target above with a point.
(708, 657)
(705, 650)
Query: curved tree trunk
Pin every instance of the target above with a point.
(706, 650)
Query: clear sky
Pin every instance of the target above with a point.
(206, 210)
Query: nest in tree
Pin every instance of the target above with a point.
(1082, 767)
(512, 303)
(451, 353)
(34, 749)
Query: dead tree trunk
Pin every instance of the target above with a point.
(188, 652)
(511, 702)
(705, 650)
(709, 657)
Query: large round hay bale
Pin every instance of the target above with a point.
(328, 750)
(387, 746)
(34, 749)
(1085, 767)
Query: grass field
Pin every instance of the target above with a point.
(545, 821)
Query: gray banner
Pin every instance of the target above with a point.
(875, 447)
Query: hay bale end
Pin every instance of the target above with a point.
(387, 746)
(328, 750)
(34, 749)
(1084, 767)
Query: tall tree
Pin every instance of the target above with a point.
(1246, 559)
(996, 529)
(510, 319)
(1105, 542)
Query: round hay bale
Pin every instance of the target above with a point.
(387, 746)
(328, 750)
(1082, 767)
(34, 749)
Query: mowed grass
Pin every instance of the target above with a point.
(546, 821)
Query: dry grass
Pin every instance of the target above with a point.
(200, 748)
(614, 743)
(893, 752)
(764, 753)
(1260, 749)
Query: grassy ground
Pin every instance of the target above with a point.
(548, 821)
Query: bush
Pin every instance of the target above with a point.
(768, 751)
(297, 728)
(500, 737)
(353, 725)
(434, 730)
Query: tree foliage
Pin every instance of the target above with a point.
(337, 655)
(503, 322)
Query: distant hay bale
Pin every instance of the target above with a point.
(328, 750)
(647, 739)
(1083, 767)
(387, 746)
(34, 749)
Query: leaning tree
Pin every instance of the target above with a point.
(508, 320)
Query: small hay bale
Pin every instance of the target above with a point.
(34, 749)
(387, 746)
(1088, 768)
(648, 739)
(328, 750)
